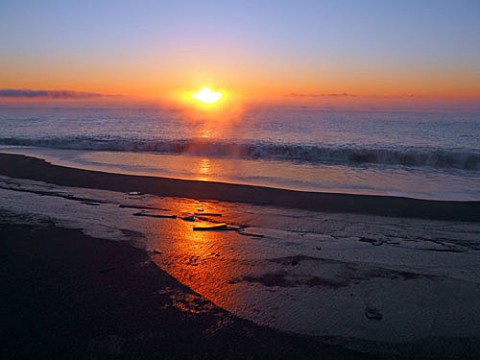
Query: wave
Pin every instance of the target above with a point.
(317, 154)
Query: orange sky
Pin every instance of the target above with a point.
(260, 52)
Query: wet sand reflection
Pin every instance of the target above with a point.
(206, 261)
(312, 273)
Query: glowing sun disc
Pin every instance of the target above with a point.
(207, 96)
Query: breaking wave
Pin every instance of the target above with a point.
(317, 154)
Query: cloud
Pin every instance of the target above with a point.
(49, 94)
(321, 95)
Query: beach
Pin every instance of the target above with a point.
(240, 180)
(108, 265)
(36, 169)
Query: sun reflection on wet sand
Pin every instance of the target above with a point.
(225, 267)
(202, 260)
(309, 273)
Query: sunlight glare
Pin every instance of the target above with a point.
(207, 96)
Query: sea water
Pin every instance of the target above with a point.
(413, 153)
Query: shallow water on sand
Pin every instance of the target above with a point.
(412, 183)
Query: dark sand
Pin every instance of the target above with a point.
(66, 295)
(19, 166)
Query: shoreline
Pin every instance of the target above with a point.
(21, 166)
(127, 302)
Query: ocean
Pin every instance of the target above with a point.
(417, 154)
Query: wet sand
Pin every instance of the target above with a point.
(68, 295)
(20, 166)
(397, 287)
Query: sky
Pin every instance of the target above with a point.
(297, 48)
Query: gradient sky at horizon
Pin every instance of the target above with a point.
(261, 48)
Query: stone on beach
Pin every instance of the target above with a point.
(373, 314)
(156, 215)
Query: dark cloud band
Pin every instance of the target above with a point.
(50, 94)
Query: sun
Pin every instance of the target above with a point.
(207, 96)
